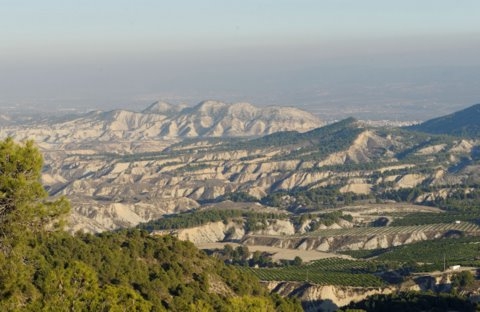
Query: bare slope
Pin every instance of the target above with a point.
(115, 168)
(166, 122)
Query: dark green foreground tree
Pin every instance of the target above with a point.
(24, 208)
(43, 268)
(25, 215)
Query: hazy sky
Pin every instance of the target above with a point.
(369, 57)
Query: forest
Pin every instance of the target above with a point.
(43, 268)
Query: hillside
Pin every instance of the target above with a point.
(126, 270)
(318, 169)
(465, 123)
(43, 268)
(322, 168)
(343, 187)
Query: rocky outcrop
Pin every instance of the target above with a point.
(231, 231)
(410, 180)
(329, 298)
(210, 233)
(103, 215)
(325, 298)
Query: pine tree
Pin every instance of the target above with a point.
(23, 200)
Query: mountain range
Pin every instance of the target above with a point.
(120, 168)
(274, 178)
(162, 122)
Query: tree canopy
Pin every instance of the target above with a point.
(43, 268)
(23, 200)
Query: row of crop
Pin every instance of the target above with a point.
(338, 265)
(453, 251)
(392, 230)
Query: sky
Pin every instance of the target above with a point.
(372, 59)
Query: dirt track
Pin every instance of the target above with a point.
(279, 253)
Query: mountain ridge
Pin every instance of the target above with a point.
(464, 123)
(165, 122)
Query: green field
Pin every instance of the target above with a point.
(429, 255)
(422, 256)
(423, 218)
(332, 271)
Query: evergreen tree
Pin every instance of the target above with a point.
(43, 268)
(23, 205)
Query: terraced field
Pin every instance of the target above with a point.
(465, 227)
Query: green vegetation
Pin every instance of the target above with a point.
(238, 197)
(461, 200)
(192, 167)
(463, 280)
(24, 207)
(323, 141)
(332, 271)
(43, 268)
(460, 197)
(149, 273)
(200, 142)
(312, 145)
(253, 220)
(242, 256)
(429, 255)
(448, 228)
(421, 218)
(315, 220)
(316, 199)
(140, 156)
(413, 301)
(462, 123)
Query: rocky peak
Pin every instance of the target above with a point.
(163, 108)
(208, 108)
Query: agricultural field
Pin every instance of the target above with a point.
(371, 265)
(465, 227)
(460, 245)
(428, 255)
(331, 271)
(422, 218)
